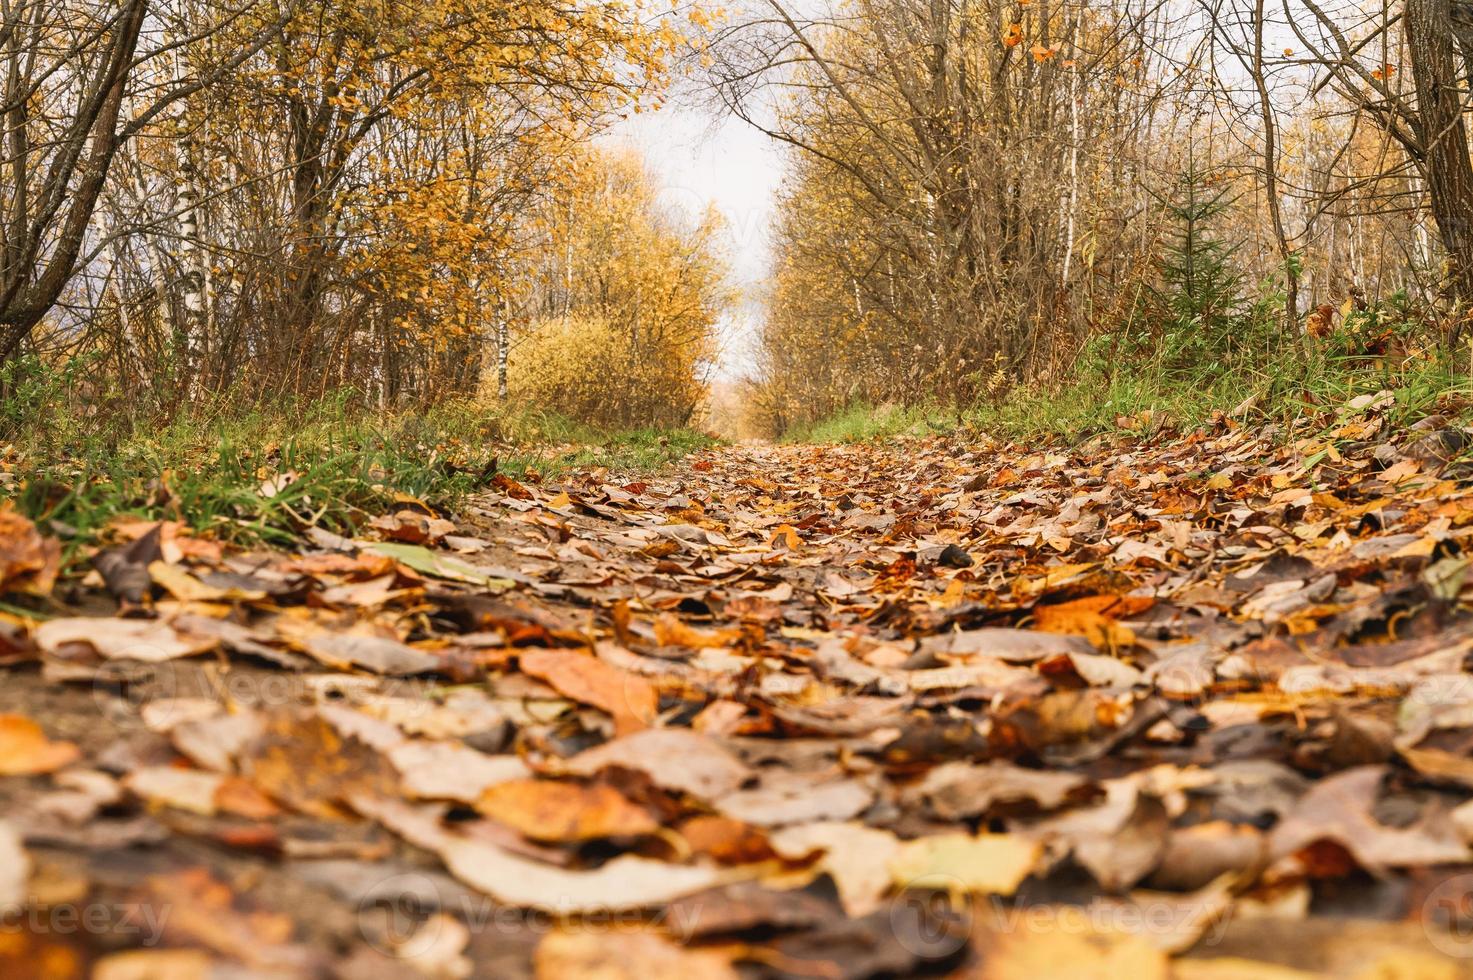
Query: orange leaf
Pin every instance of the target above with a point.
(26, 751)
(1096, 618)
(788, 535)
(1014, 35)
(671, 632)
(28, 561)
(560, 812)
(629, 698)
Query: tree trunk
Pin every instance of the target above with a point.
(1444, 137)
(29, 281)
(503, 350)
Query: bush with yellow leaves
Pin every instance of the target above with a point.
(586, 368)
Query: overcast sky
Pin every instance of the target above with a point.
(702, 158)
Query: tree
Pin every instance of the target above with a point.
(1427, 122)
(629, 296)
(958, 165)
(67, 69)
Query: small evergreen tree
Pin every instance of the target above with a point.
(1198, 304)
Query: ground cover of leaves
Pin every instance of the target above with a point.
(1198, 707)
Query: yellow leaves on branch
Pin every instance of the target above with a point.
(638, 291)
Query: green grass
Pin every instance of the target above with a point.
(331, 465)
(1301, 394)
(862, 423)
(635, 451)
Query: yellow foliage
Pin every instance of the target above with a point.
(588, 369)
(630, 294)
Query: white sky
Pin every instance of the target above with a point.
(707, 157)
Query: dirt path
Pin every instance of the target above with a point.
(927, 709)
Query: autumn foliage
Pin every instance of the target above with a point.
(310, 197)
(629, 295)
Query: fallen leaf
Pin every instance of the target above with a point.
(988, 864)
(26, 751)
(146, 640)
(563, 812)
(624, 883)
(427, 562)
(671, 632)
(630, 699)
(674, 758)
(15, 869)
(625, 955)
(29, 562)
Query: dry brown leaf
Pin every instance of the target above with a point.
(987, 864)
(147, 640)
(29, 562)
(671, 632)
(674, 758)
(624, 883)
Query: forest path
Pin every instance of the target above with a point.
(778, 711)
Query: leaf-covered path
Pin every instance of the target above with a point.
(1187, 708)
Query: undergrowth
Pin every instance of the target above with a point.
(1301, 392)
(264, 475)
(1200, 346)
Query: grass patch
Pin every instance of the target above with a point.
(862, 423)
(258, 477)
(1300, 395)
(1303, 395)
(635, 451)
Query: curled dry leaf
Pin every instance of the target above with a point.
(29, 561)
(624, 883)
(672, 632)
(1339, 809)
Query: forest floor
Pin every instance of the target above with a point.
(1195, 707)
